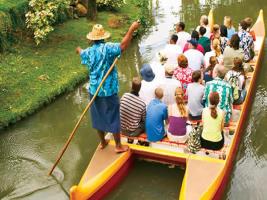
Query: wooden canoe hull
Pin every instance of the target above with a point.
(205, 177)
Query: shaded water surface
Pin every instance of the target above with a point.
(29, 148)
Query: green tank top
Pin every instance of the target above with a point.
(211, 126)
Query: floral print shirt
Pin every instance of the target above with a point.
(226, 96)
(184, 75)
(246, 43)
(99, 58)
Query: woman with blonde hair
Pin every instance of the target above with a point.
(215, 51)
(229, 24)
(178, 114)
(213, 123)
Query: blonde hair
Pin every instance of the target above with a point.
(179, 97)
(228, 22)
(216, 45)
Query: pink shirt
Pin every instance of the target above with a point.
(199, 48)
(184, 75)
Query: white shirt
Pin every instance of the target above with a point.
(195, 59)
(169, 86)
(195, 92)
(158, 70)
(207, 34)
(147, 91)
(241, 77)
(182, 38)
(171, 52)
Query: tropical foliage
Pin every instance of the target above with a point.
(41, 16)
(111, 4)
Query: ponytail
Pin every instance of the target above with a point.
(214, 101)
(179, 97)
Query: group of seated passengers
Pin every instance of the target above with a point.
(199, 83)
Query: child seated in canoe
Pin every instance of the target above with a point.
(209, 70)
(177, 128)
(133, 111)
(236, 78)
(157, 113)
(195, 92)
(213, 123)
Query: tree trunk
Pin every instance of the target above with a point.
(92, 10)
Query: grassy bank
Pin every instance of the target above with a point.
(32, 76)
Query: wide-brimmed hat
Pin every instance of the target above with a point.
(98, 33)
(169, 68)
(193, 42)
(147, 72)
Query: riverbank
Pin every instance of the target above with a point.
(33, 76)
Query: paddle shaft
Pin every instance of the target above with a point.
(81, 117)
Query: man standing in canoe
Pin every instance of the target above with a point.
(105, 110)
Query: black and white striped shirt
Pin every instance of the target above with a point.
(132, 111)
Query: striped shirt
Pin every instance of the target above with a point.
(132, 112)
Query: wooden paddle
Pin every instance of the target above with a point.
(81, 117)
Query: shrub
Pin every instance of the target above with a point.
(41, 16)
(110, 4)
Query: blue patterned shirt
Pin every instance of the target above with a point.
(226, 97)
(99, 58)
(246, 43)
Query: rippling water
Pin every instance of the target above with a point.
(29, 148)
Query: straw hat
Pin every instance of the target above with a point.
(98, 33)
(169, 68)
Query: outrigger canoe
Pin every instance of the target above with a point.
(205, 175)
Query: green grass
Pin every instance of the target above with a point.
(32, 76)
(8, 4)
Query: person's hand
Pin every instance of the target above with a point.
(78, 50)
(135, 25)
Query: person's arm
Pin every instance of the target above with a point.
(222, 125)
(78, 50)
(128, 37)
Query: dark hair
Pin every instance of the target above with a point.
(223, 31)
(136, 84)
(238, 65)
(181, 25)
(174, 38)
(202, 30)
(212, 62)
(214, 101)
(195, 35)
(244, 25)
(196, 75)
(234, 41)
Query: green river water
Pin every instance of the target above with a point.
(29, 148)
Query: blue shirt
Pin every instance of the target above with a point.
(99, 58)
(157, 112)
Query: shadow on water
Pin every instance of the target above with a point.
(29, 148)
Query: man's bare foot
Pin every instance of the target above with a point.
(121, 149)
(103, 145)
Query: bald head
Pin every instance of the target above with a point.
(219, 71)
(159, 93)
